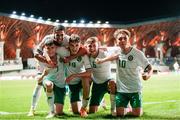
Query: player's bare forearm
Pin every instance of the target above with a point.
(83, 74)
(80, 75)
(44, 73)
(40, 78)
(41, 58)
(82, 52)
(109, 58)
(147, 72)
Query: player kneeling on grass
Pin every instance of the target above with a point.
(128, 82)
(102, 80)
(37, 90)
(59, 38)
(79, 74)
(54, 81)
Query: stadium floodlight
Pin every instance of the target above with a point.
(14, 12)
(13, 15)
(65, 21)
(57, 21)
(40, 18)
(98, 22)
(31, 16)
(49, 19)
(90, 22)
(107, 22)
(23, 14)
(74, 21)
(81, 24)
(82, 21)
(23, 17)
(73, 24)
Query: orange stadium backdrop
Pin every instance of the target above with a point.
(25, 35)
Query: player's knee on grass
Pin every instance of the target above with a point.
(93, 109)
(59, 109)
(112, 87)
(75, 107)
(137, 112)
(121, 111)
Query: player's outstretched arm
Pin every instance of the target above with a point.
(43, 59)
(80, 75)
(82, 52)
(109, 58)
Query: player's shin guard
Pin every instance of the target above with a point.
(113, 104)
(50, 101)
(85, 103)
(36, 96)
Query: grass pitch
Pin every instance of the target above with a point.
(161, 100)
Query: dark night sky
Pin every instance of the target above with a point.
(105, 10)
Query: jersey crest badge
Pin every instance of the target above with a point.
(130, 58)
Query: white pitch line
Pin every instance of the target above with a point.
(167, 101)
(17, 113)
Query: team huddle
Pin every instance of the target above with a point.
(64, 61)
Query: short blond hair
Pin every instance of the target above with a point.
(91, 40)
(74, 38)
(121, 31)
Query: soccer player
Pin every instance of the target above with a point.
(78, 76)
(131, 64)
(53, 80)
(102, 80)
(60, 39)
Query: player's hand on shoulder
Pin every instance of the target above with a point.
(65, 59)
(68, 79)
(98, 61)
(52, 64)
(46, 71)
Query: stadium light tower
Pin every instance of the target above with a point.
(14, 12)
(82, 21)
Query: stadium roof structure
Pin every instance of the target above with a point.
(113, 12)
(81, 23)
